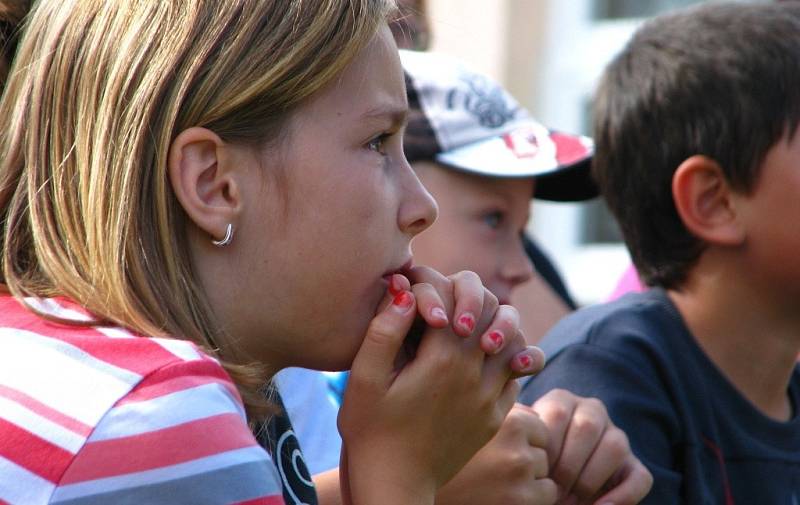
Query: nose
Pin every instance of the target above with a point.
(418, 210)
(517, 267)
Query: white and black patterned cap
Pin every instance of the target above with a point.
(467, 121)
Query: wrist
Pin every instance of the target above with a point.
(380, 475)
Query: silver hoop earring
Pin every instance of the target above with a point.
(227, 239)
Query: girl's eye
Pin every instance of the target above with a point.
(494, 219)
(377, 144)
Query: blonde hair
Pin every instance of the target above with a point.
(102, 88)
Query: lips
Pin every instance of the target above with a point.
(402, 269)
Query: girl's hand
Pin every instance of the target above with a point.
(475, 312)
(407, 431)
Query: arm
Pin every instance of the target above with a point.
(329, 492)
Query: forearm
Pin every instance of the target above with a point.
(329, 491)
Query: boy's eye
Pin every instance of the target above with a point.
(493, 219)
(377, 144)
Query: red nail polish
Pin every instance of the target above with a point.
(403, 300)
(525, 360)
(496, 336)
(394, 286)
(467, 321)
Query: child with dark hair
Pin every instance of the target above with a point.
(698, 156)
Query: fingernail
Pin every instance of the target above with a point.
(394, 285)
(467, 321)
(403, 301)
(496, 338)
(439, 313)
(525, 362)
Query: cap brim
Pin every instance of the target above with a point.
(560, 163)
(573, 183)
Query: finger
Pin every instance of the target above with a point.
(421, 274)
(530, 361)
(396, 283)
(607, 458)
(505, 322)
(374, 362)
(536, 432)
(586, 429)
(634, 484)
(468, 291)
(555, 409)
(507, 397)
(430, 305)
(496, 367)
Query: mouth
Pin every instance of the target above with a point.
(403, 269)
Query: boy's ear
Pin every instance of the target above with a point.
(203, 182)
(706, 202)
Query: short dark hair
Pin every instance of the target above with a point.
(720, 80)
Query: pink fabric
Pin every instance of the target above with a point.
(628, 283)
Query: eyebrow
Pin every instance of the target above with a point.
(397, 115)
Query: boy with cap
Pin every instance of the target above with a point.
(478, 151)
(698, 155)
(459, 122)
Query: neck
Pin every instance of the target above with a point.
(751, 337)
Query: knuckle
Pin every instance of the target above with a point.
(554, 413)
(587, 426)
(443, 361)
(490, 299)
(511, 313)
(618, 444)
(596, 406)
(381, 331)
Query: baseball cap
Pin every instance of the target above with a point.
(467, 121)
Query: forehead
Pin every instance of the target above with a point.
(370, 87)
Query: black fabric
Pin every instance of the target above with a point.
(279, 439)
(701, 439)
(569, 184)
(545, 267)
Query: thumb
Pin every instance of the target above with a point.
(374, 362)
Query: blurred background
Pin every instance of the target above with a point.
(549, 54)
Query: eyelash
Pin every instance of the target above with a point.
(381, 140)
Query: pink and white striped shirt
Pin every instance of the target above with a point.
(99, 415)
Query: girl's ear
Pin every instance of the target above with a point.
(203, 181)
(706, 203)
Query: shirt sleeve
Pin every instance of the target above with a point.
(627, 381)
(179, 437)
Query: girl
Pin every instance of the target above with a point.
(197, 194)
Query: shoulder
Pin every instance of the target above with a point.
(180, 433)
(629, 349)
(88, 410)
(636, 321)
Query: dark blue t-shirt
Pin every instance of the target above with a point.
(702, 440)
